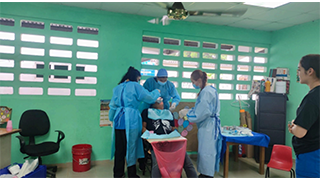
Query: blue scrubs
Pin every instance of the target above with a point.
(308, 164)
(167, 91)
(124, 111)
(206, 115)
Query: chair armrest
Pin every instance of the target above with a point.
(60, 136)
(22, 143)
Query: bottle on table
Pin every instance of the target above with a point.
(267, 86)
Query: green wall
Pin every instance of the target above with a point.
(288, 46)
(120, 42)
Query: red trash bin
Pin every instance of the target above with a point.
(81, 157)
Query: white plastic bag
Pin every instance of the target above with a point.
(28, 166)
(14, 169)
(7, 176)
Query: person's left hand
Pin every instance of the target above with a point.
(173, 106)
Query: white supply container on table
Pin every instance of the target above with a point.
(281, 87)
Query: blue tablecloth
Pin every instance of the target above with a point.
(258, 139)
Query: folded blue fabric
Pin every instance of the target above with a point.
(145, 135)
(148, 135)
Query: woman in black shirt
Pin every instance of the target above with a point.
(305, 127)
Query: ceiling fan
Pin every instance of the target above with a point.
(178, 12)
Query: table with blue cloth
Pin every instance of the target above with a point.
(258, 139)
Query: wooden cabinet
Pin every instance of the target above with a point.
(5, 146)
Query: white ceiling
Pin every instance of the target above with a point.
(257, 18)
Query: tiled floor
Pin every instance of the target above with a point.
(244, 168)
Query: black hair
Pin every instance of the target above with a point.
(154, 104)
(311, 61)
(196, 74)
(132, 74)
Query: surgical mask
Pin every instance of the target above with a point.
(162, 83)
(196, 87)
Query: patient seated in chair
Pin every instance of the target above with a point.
(161, 121)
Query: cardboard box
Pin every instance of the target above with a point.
(283, 73)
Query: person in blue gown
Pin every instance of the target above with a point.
(166, 87)
(205, 114)
(127, 123)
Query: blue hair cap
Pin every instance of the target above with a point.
(162, 73)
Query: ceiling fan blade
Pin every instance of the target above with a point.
(202, 13)
(154, 21)
(162, 4)
(234, 13)
(165, 20)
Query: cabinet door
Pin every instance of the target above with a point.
(272, 104)
(276, 136)
(272, 121)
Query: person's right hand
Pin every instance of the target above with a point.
(159, 100)
(183, 112)
(173, 106)
(290, 126)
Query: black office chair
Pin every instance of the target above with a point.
(36, 123)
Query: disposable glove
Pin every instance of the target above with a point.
(173, 106)
(159, 100)
(183, 113)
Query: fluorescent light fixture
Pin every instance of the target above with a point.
(266, 4)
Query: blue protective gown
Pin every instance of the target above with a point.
(206, 115)
(125, 101)
(167, 91)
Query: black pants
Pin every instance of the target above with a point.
(120, 155)
(143, 161)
